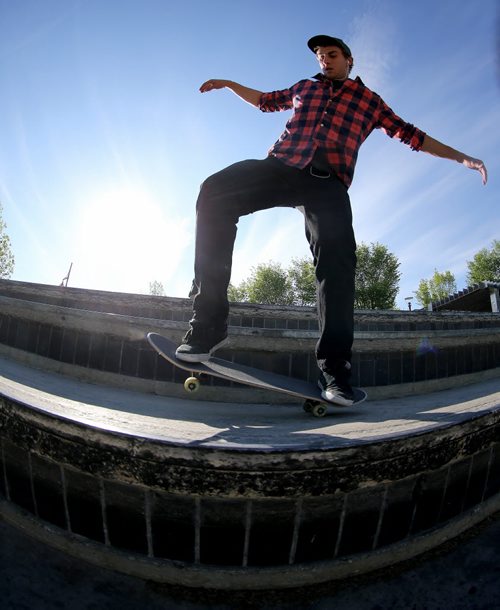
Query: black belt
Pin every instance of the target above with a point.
(318, 172)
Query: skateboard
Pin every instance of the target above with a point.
(258, 378)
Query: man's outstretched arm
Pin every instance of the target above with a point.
(438, 149)
(251, 96)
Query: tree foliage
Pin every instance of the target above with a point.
(268, 284)
(6, 256)
(303, 279)
(485, 266)
(156, 288)
(377, 277)
(439, 286)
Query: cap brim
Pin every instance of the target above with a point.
(322, 40)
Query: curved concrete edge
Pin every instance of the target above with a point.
(245, 578)
(229, 394)
(431, 385)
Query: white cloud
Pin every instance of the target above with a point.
(373, 43)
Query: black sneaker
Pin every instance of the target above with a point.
(336, 388)
(200, 342)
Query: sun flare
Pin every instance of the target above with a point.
(126, 239)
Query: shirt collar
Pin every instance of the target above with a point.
(322, 78)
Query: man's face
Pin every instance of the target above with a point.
(333, 63)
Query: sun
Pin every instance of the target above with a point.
(126, 238)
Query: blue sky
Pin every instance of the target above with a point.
(105, 138)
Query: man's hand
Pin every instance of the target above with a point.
(214, 83)
(251, 96)
(438, 149)
(472, 163)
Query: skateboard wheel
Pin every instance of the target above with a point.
(308, 405)
(192, 384)
(319, 410)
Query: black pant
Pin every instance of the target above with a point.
(252, 185)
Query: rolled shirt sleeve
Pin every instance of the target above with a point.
(277, 101)
(395, 127)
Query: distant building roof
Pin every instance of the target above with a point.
(480, 297)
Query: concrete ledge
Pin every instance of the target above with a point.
(232, 393)
(60, 403)
(242, 314)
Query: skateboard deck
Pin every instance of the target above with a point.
(258, 378)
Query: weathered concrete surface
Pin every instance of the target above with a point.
(239, 426)
(464, 575)
(241, 450)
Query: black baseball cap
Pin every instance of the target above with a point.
(328, 41)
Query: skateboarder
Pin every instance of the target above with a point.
(311, 167)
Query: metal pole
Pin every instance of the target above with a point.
(65, 280)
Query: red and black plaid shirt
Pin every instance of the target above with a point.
(336, 122)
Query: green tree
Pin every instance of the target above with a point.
(156, 289)
(303, 280)
(485, 266)
(6, 256)
(439, 286)
(238, 294)
(270, 284)
(377, 277)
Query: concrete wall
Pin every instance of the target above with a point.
(93, 334)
